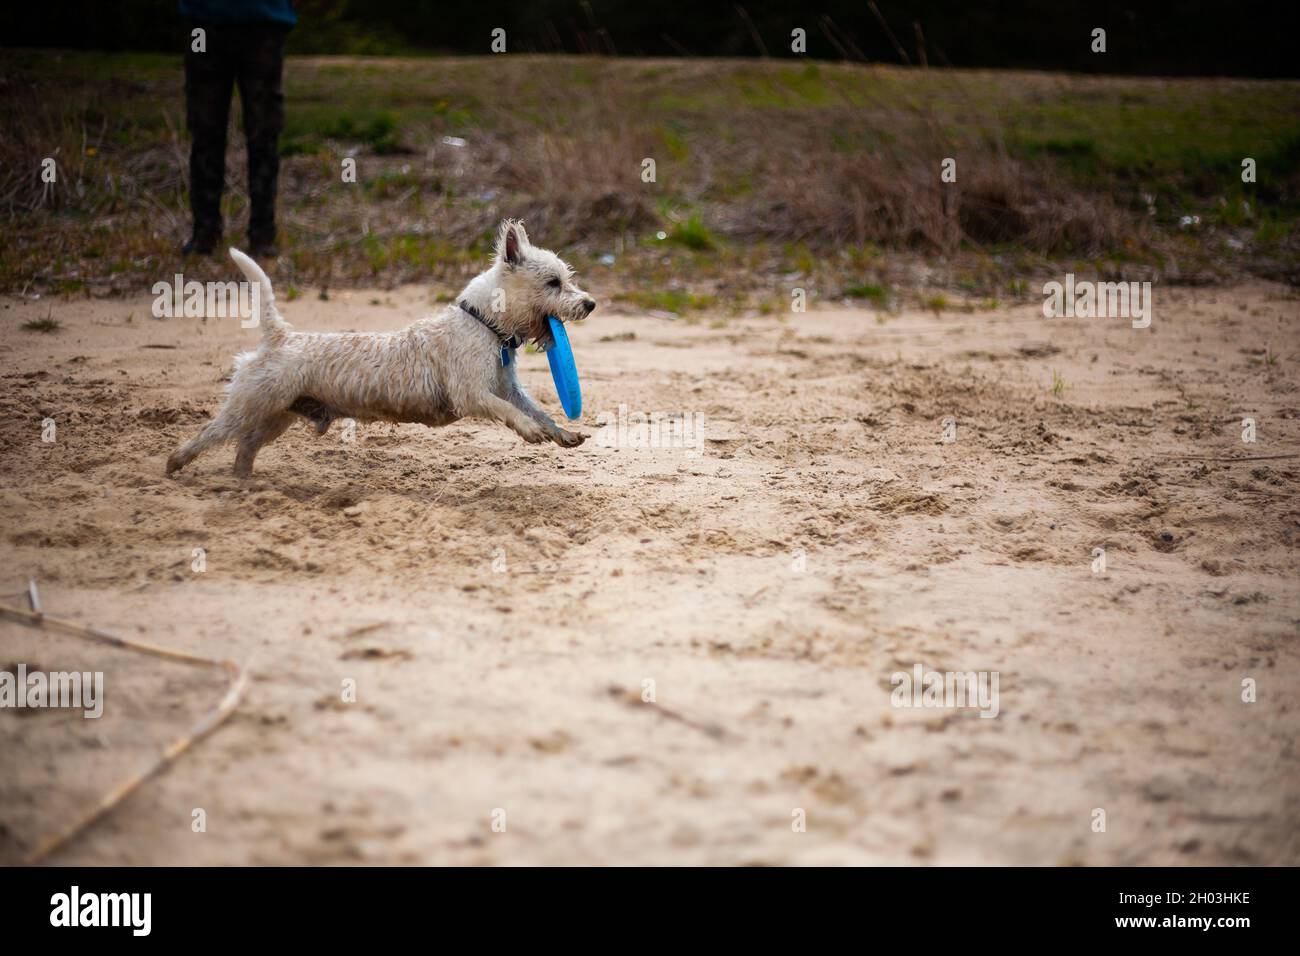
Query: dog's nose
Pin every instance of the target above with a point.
(589, 306)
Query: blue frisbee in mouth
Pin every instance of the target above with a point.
(563, 372)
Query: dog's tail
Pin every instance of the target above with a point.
(274, 328)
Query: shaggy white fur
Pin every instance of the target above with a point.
(433, 372)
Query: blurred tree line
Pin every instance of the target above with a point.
(1174, 37)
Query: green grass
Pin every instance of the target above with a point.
(936, 303)
(693, 234)
(669, 300)
(872, 291)
(309, 131)
(768, 154)
(1267, 358)
(384, 253)
(45, 325)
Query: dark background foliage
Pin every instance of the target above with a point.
(1177, 37)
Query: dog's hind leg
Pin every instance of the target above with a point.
(265, 431)
(221, 429)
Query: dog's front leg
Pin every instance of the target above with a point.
(561, 436)
(499, 410)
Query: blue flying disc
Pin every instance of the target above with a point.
(563, 372)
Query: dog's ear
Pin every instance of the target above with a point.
(511, 242)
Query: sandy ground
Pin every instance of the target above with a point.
(499, 605)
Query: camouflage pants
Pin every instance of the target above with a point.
(252, 57)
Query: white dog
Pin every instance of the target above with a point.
(455, 365)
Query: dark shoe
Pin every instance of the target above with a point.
(199, 246)
(262, 235)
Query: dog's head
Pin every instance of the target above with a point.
(532, 283)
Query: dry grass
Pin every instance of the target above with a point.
(763, 171)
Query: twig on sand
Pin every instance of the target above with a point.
(365, 629)
(204, 726)
(708, 728)
(1232, 457)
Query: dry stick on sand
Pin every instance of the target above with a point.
(708, 727)
(204, 726)
(1232, 457)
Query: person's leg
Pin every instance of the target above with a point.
(209, 77)
(262, 99)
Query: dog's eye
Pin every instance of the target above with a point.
(554, 283)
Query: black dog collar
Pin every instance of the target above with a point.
(508, 343)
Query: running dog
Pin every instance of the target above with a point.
(459, 364)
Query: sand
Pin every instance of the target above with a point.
(500, 606)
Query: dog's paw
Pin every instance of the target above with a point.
(534, 435)
(568, 439)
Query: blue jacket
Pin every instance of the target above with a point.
(239, 11)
